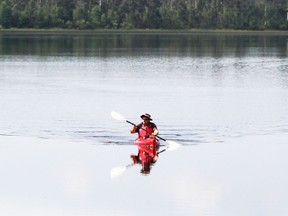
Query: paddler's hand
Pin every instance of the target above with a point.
(152, 136)
(155, 158)
(133, 130)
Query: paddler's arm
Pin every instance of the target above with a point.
(134, 129)
(155, 131)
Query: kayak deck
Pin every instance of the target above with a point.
(148, 141)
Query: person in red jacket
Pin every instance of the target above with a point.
(146, 128)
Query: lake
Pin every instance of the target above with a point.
(222, 96)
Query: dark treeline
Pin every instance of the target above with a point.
(145, 14)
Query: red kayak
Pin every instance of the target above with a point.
(148, 141)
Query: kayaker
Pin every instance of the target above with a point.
(146, 128)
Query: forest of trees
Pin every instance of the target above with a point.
(145, 14)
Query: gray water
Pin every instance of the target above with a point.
(201, 90)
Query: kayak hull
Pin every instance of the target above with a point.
(149, 141)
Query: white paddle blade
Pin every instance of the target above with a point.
(117, 116)
(117, 171)
(172, 145)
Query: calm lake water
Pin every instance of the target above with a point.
(204, 91)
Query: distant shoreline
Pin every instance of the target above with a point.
(144, 31)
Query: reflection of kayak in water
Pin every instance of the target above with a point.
(147, 153)
(149, 141)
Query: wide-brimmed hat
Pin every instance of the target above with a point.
(146, 115)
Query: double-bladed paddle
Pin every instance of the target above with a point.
(172, 145)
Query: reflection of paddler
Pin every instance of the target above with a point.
(147, 156)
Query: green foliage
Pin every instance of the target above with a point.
(95, 17)
(5, 15)
(142, 14)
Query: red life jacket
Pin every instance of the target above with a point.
(145, 131)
